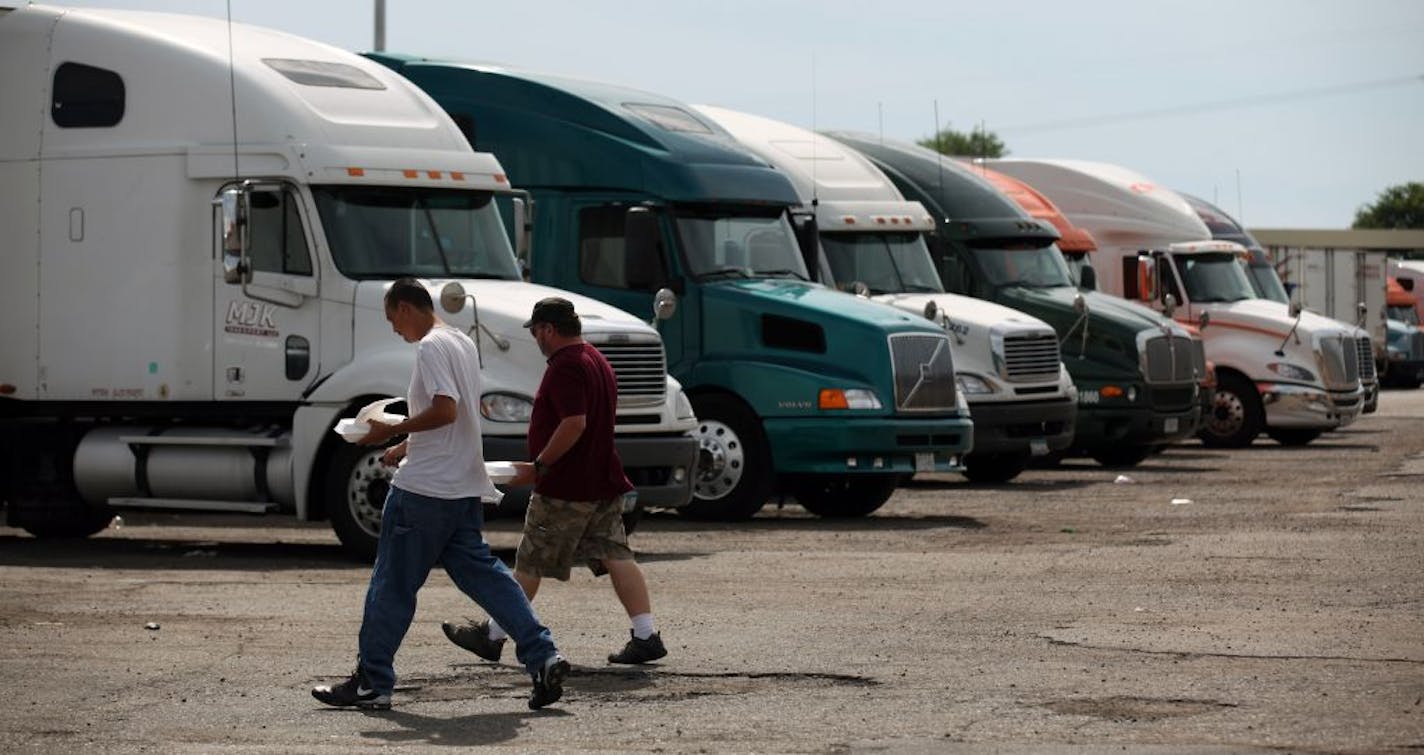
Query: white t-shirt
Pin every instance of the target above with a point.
(449, 461)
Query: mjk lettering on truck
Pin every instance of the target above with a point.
(1292, 375)
(187, 312)
(1136, 372)
(799, 389)
(858, 230)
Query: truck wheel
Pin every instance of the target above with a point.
(1122, 456)
(733, 478)
(1236, 416)
(57, 513)
(1293, 436)
(356, 487)
(993, 468)
(844, 496)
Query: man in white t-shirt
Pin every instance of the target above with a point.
(433, 512)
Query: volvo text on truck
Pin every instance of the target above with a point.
(859, 233)
(1136, 372)
(1292, 374)
(189, 310)
(799, 390)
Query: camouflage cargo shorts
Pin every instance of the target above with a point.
(559, 533)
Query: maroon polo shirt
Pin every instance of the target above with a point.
(578, 381)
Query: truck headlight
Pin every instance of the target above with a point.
(973, 384)
(848, 398)
(506, 407)
(682, 406)
(1291, 372)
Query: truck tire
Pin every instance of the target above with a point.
(356, 487)
(733, 479)
(56, 512)
(1293, 436)
(1122, 456)
(993, 468)
(844, 496)
(1236, 416)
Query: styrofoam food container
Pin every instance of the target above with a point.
(500, 471)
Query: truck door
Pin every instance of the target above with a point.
(265, 344)
(605, 273)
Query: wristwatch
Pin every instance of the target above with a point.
(539, 468)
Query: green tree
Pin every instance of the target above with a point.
(977, 143)
(1399, 206)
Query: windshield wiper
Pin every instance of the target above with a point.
(786, 272)
(918, 288)
(737, 272)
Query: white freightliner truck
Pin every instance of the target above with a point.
(1293, 374)
(193, 269)
(1008, 363)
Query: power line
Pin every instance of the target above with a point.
(1205, 107)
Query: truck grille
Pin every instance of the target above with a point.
(1341, 362)
(641, 369)
(1169, 359)
(924, 372)
(1031, 358)
(1366, 359)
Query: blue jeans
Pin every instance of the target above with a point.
(416, 532)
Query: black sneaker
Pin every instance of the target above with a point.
(475, 638)
(353, 693)
(640, 651)
(549, 682)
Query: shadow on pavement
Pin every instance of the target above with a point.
(462, 731)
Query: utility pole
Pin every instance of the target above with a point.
(380, 25)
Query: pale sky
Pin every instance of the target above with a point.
(1311, 107)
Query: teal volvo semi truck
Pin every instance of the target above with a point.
(1136, 372)
(799, 390)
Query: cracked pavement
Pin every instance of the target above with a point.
(1282, 608)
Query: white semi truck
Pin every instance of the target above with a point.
(1291, 373)
(198, 239)
(865, 234)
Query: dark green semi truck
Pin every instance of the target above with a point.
(799, 389)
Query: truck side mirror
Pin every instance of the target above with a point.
(641, 259)
(664, 304)
(808, 239)
(452, 297)
(232, 203)
(1169, 305)
(1088, 279)
(522, 212)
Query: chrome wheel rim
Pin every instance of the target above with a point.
(1228, 415)
(366, 489)
(720, 461)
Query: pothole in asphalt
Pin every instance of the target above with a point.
(1128, 708)
(616, 685)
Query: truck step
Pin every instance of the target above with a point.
(184, 504)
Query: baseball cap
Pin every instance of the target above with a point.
(553, 310)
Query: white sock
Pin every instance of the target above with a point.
(643, 626)
(496, 632)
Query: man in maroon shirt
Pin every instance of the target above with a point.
(576, 510)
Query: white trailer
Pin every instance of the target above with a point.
(1293, 374)
(866, 237)
(1343, 284)
(197, 243)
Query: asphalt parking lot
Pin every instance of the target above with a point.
(1271, 599)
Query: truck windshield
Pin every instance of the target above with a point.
(743, 246)
(388, 232)
(1027, 266)
(1405, 314)
(1213, 277)
(887, 263)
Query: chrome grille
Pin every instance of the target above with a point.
(1366, 358)
(641, 369)
(1341, 362)
(1199, 358)
(1031, 357)
(924, 372)
(1169, 359)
